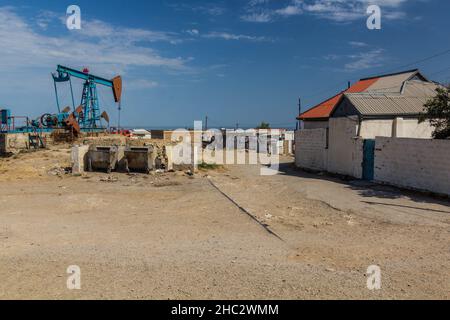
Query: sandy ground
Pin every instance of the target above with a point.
(172, 236)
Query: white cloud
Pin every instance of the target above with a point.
(127, 36)
(361, 58)
(291, 10)
(193, 32)
(260, 17)
(207, 9)
(45, 17)
(231, 36)
(343, 11)
(142, 84)
(336, 10)
(332, 57)
(225, 36)
(357, 44)
(365, 60)
(99, 44)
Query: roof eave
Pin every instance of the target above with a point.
(415, 71)
(313, 119)
(389, 116)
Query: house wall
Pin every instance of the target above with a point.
(413, 163)
(399, 127)
(315, 124)
(345, 148)
(411, 128)
(376, 128)
(311, 149)
(288, 143)
(345, 154)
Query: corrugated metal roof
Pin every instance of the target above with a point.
(415, 88)
(324, 109)
(392, 83)
(410, 102)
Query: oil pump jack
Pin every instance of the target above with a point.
(86, 117)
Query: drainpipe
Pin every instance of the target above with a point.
(360, 120)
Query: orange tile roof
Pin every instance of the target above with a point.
(324, 109)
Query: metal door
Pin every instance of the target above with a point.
(369, 160)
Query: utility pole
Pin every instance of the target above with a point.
(206, 123)
(299, 112)
(118, 122)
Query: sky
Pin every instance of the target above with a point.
(237, 62)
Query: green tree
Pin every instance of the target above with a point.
(437, 111)
(263, 125)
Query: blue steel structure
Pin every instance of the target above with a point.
(88, 113)
(86, 117)
(5, 119)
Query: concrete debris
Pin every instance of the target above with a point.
(57, 171)
(109, 179)
(269, 216)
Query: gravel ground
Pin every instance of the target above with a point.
(172, 236)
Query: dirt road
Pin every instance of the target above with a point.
(172, 236)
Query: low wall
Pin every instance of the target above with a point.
(10, 143)
(413, 163)
(345, 154)
(311, 149)
(16, 142)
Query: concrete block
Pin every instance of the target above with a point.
(121, 157)
(79, 155)
(13, 142)
(169, 156)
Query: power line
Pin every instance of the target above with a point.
(421, 60)
(440, 71)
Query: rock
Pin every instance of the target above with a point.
(109, 179)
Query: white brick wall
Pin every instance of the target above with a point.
(310, 149)
(345, 152)
(414, 163)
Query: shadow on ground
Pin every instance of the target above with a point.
(370, 189)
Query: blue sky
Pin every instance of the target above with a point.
(241, 61)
